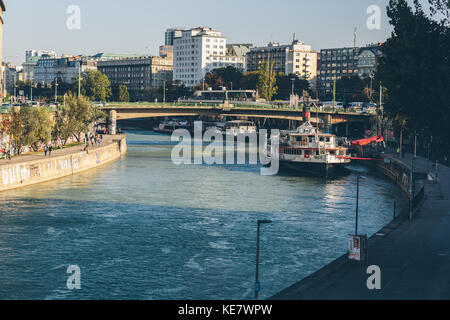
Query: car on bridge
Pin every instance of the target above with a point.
(332, 104)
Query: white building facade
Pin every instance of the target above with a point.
(296, 58)
(39, 53)
(199, 51)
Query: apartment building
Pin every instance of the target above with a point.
(295, 58)
(171, 34)
(199, 51)
(162, 70)
(368, 60)
(140, 74)
(65, 69)
(343, 62)
(134, 73)
(9, 77)
(29, 54)
(2, 9)
(337, 63)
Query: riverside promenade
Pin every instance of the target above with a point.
(35, 168)
(413, 256)
(107, 139)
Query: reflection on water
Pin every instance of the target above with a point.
(143, 228)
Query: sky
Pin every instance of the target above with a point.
(138, 26)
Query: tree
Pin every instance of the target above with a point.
(174, 91)
(351, 88)
(124, 96)
(94, 85)
(75, 117)
(231, 77)
(249, 80)
(4, 126)
(30, 126)
(213, 80)
(442, 7)
(415, 69)
(266, 85)
(284, 84)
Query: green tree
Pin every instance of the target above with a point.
(266, 85)
(415, 69)
(174, 91)
(249, 80)
(214, 80)
(75, 117)
(124, 96)
(351, 88)
(30, 126)
(284, 85)
(231, 76)
(94, 85)
(441, 7)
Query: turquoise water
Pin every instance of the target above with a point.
(143, 228)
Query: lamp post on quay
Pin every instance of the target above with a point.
(257, 283)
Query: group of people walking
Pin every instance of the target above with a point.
(48, 149)
(93, 140)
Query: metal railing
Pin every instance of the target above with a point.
(233, 104)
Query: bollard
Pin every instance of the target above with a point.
(395, 207)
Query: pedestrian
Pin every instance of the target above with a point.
(86, 148)
(398, 152)
(45, 150)
(50, 149)
(9, 154)
(101, 139)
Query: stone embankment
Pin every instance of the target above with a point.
(31, 169)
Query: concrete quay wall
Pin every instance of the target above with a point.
(35, 171)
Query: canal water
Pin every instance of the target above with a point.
(144, 228)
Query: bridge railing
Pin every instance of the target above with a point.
(233, 104)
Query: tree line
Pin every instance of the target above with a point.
(36, 126)
(415, 69)
(269, 85)
(97, 86)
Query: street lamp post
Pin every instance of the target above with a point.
(357, 202)
(56, 90)
(164, 93)
(79, 78)
(411, 189)
(15, 91)
(257, 284)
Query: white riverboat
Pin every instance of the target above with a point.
(307, 150)
(239, 127)
(168, 126)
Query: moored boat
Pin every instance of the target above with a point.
(306, 150)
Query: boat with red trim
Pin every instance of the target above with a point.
(306, 150)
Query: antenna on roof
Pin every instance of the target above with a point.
(293, 38)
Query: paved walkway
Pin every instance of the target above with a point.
(414, 256)
(107, 139)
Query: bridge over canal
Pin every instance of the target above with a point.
(125, 111)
